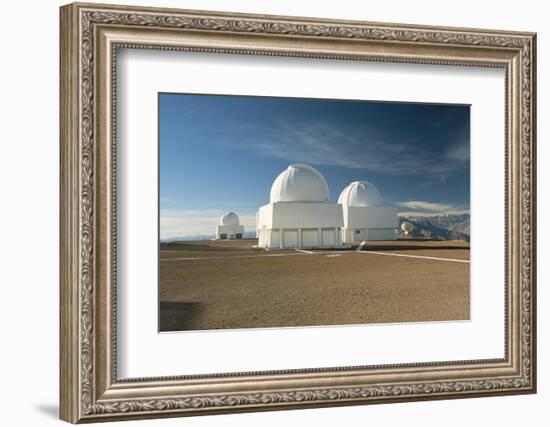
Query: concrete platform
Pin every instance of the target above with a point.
(232, 284)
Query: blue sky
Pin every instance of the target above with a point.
(220, 153)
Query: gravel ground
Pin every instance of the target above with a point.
(219, 285)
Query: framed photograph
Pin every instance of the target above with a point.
(266, 212)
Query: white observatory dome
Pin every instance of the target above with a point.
(299, 183)
(407, 227)
(360, 193)
(229, 218)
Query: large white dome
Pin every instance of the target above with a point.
(299, 183)
(229, 218)
(360, 193)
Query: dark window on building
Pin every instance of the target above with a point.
(223, 236)
(238, 236)
(357, 231)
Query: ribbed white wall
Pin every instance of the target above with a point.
(361, 234)
(301, 215)
(370, 217)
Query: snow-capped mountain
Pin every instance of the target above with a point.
(439, 227)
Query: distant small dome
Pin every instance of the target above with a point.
(299, 183)
(407, 227)
(229, 218)
(360, 193)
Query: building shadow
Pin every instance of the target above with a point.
(179, 316)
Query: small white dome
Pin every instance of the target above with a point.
(229, 218)
(299, 183)
(407, 227)
(360, 193)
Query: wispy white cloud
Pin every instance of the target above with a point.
(429, 214)
(319, 143)
(459, 151)
(181, 223)
(429, 206)
(423, 208)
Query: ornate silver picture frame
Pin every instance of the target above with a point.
(91, 36)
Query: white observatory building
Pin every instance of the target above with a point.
(364, 216)
(229, 227)
(299, 213)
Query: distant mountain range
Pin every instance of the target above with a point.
(439, 227)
